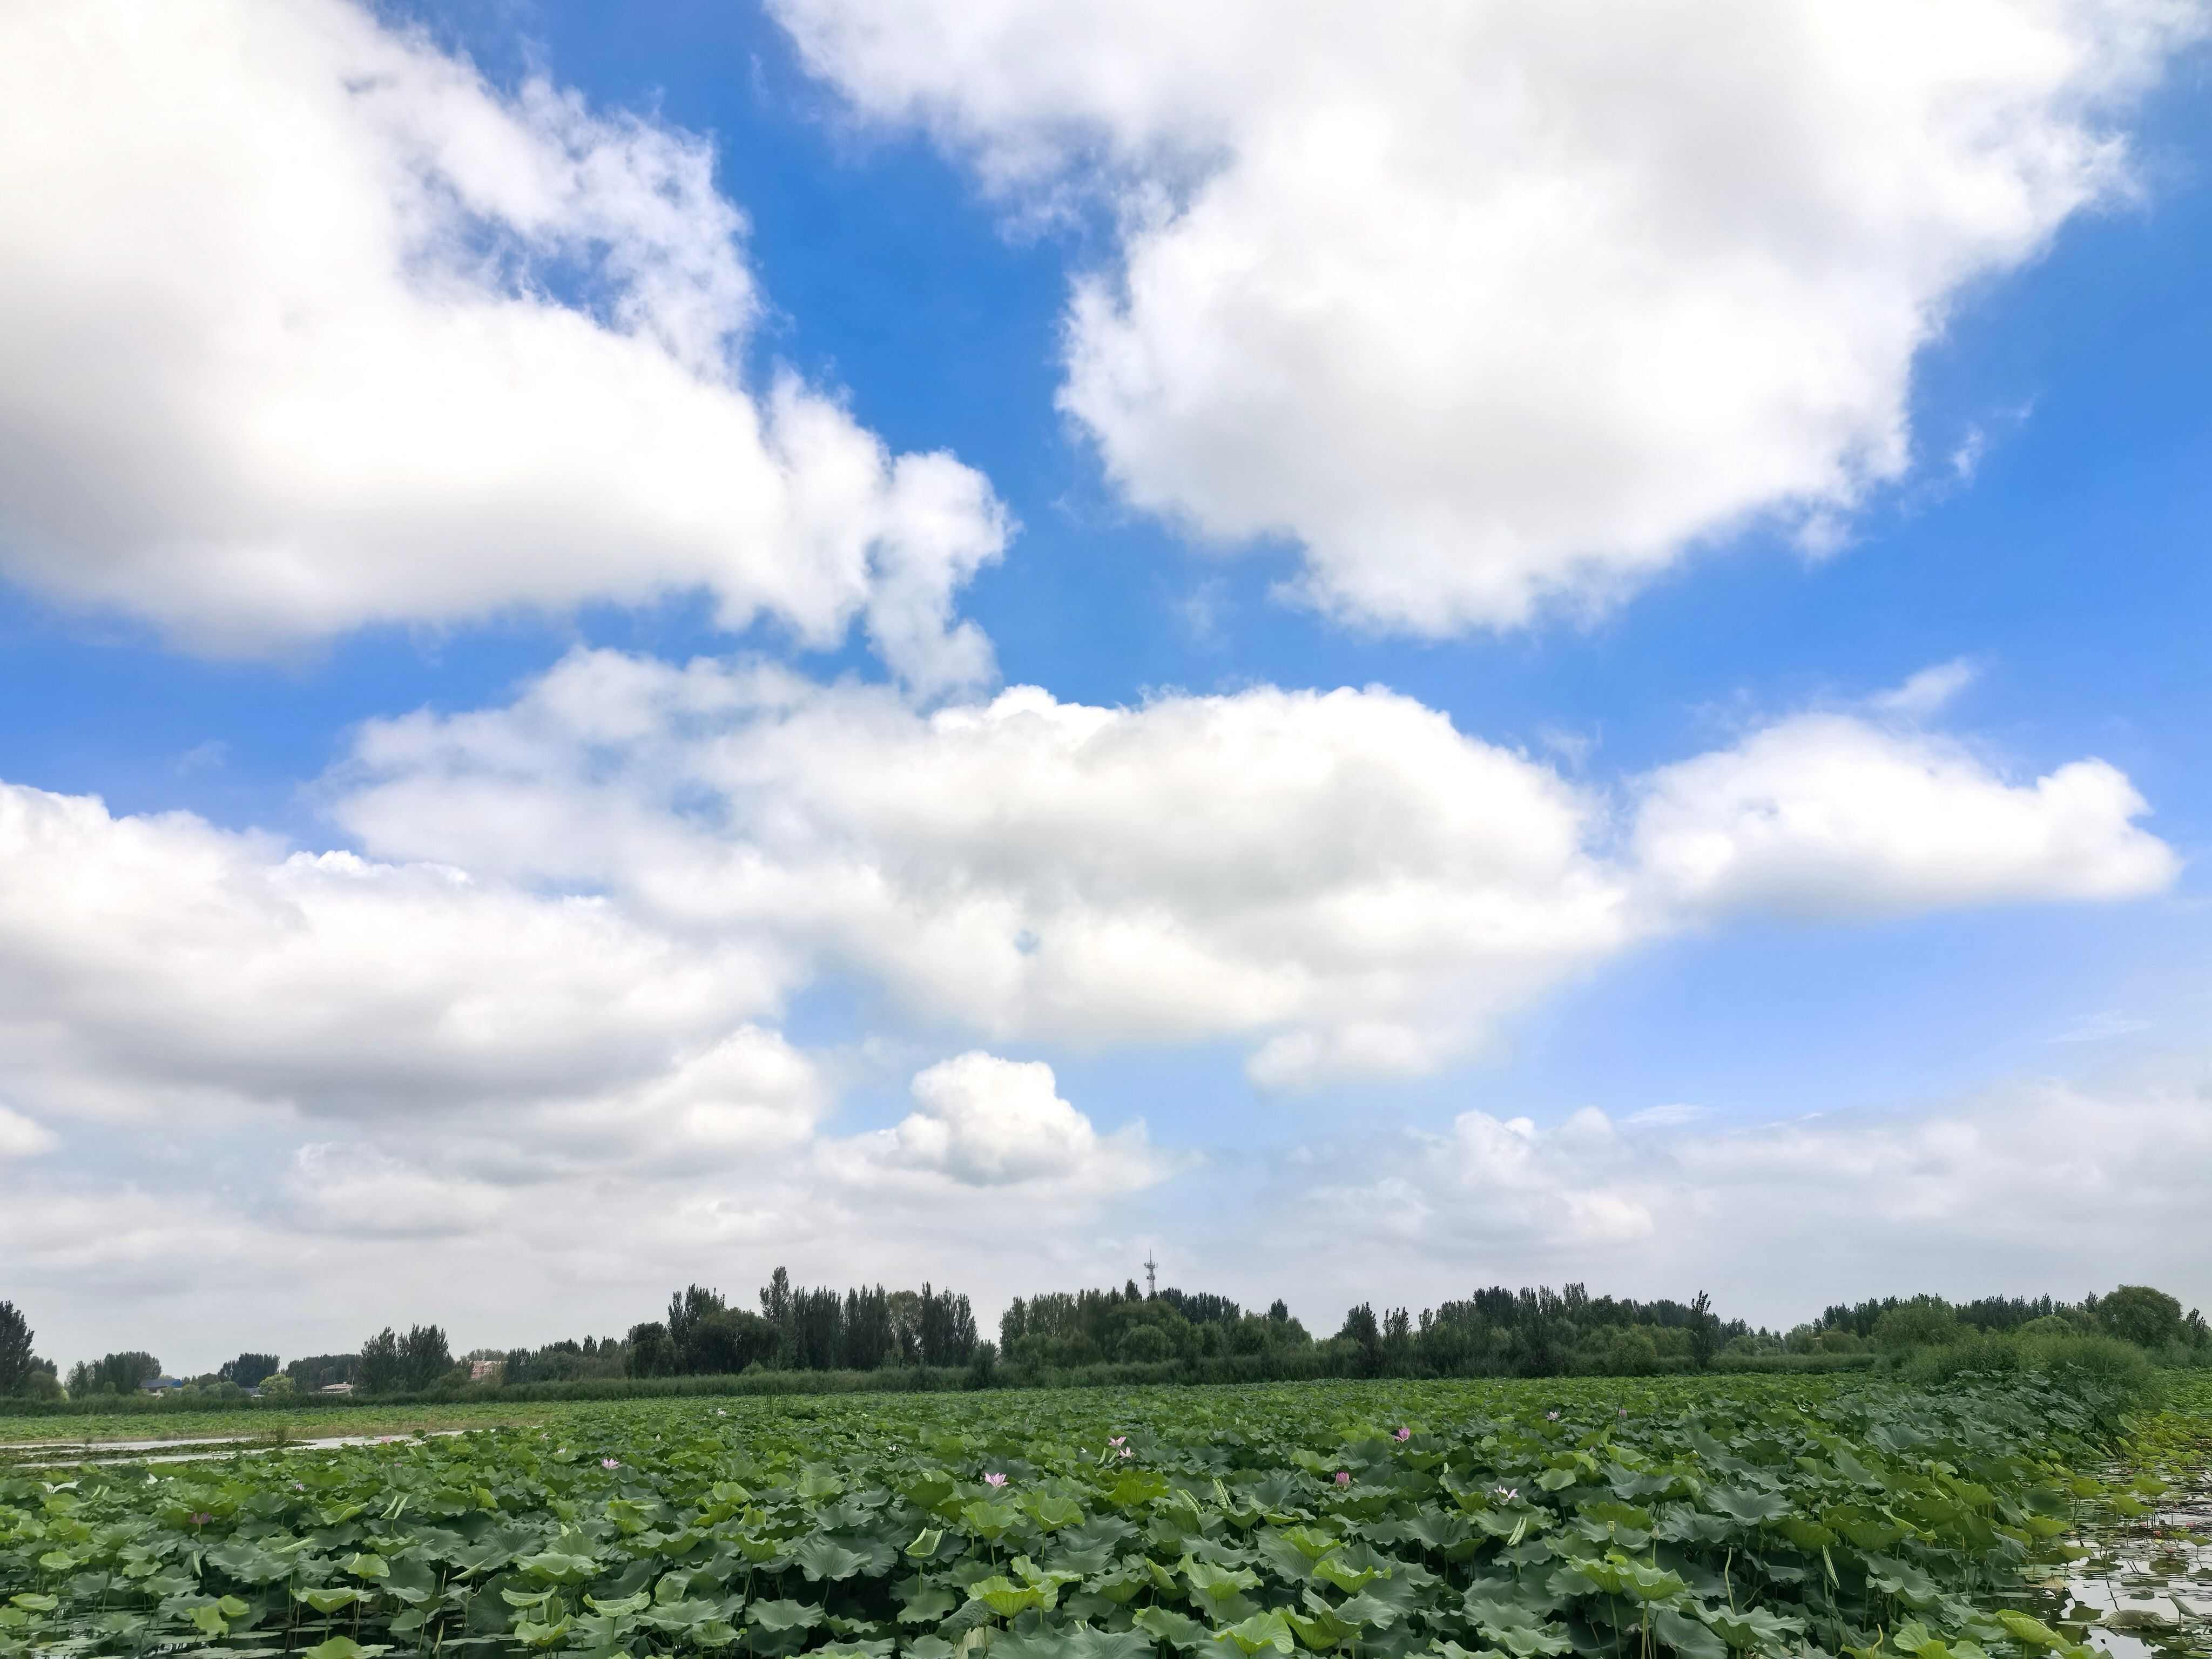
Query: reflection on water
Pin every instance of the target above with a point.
(2144, 1589)
(59, 1455)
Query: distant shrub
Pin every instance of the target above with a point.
(1800, 1364)
(2108, 1376)
(1971, 1356)
(1926, 1321)
(2138, 1314)
(2101, 1360)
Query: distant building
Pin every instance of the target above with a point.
(487, 1371)
(337, 1388)
(160, 1385)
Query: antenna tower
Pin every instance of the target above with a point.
(1151, 1277)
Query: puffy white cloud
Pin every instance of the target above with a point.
(1489, 306)
(455, 1067)
(21, 1137)
(307, 327)
(1776, 1219)
(153, 959)
(1342, 880)
(1829, 816)
(985, 1121)
(363, 1190)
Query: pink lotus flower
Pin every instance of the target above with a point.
(1551, 1417)
(994, 1480)
(1126, 1452)
(1117, 1439)
(1405, 1434)
(1509, 1494)
(611, 1462)
(1343, 1478)
(202, 1519)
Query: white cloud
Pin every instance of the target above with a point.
(307, 327)
(1495, 305)
(1343, 881)
(361, 1190)
(158, 958)
(1826, 815)
(1340, 878)
(1927, 693)
(455, 1065)
(2101, 1027)
(1671, 1115)
(1778, 1219)
(985, 1121)
(1553, 1189)
(21, 1137)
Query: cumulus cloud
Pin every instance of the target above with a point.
(361, 1190)
(21, 1137)
(1341, 878)
(308, 327)
(1488, 307)
(985, 1121)
(1776, 1219)
(1344, 881)
(1827, 816)
(145, 959)
(530, 1028)
(1958, 1199)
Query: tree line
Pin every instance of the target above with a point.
(799, 1329)
(1530, 1331)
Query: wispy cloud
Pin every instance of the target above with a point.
(2100, 1027)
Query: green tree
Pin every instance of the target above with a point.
(650, 1352)
(1705, 1330)
(381, 1368)
(2138, 1314)
(423, 1357)
(16, 1364)
(122, 1373)
(1926, 1321)
(1361, 1330)
(249, 1370)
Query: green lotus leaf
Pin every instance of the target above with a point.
(783, 1615)
(1174, 1628)
(1349, 1579)
(820, 1558)
(1687, 1636)
(1269, 1630)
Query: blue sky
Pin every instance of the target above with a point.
(1862, 1046)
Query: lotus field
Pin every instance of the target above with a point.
(1704, 1517)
